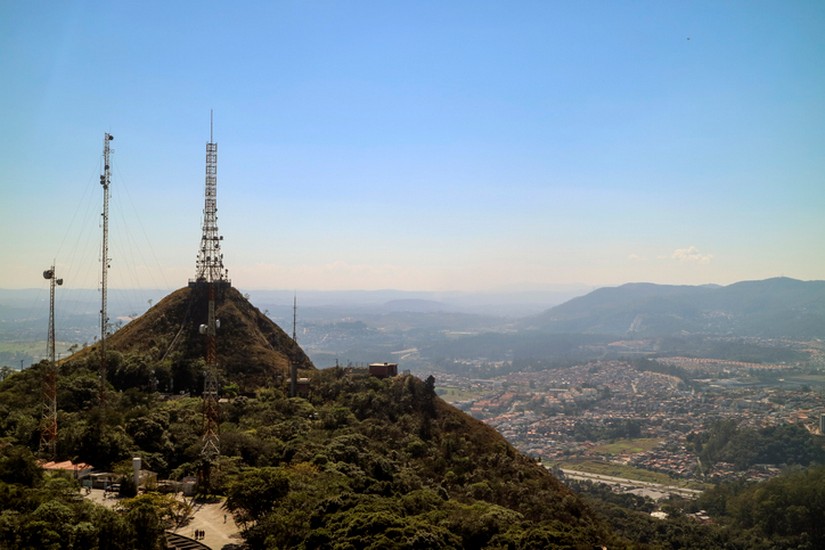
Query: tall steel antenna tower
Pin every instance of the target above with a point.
(48, 435)
(105, 180)
(212, 274)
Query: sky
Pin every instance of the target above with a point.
(427, 145)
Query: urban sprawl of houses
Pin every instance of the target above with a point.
(562, 415)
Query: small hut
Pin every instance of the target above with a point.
(384, 370)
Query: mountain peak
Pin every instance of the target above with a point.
(251, 349)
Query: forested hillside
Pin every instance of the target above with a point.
(360, 460)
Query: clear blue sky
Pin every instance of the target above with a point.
(416, 145)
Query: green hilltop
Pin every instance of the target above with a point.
(252, 351)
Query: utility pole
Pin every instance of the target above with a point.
(105, 180)
(48, 435)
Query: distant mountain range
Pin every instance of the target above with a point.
(455, 325)
(772, 308)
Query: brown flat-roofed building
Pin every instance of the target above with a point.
(384, 370)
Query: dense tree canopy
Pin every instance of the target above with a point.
(784, 444)
(48, 513)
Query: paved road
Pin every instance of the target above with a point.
(212, 518)
(632, 484)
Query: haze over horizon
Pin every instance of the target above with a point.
(423, 146)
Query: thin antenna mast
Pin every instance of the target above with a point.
(105, 180)
(48, 436)
(293, 367)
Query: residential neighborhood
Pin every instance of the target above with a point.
(565, 415)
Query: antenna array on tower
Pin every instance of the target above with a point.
(210, 260)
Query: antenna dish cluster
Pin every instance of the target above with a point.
(49, 274)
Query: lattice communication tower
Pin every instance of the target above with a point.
(211, 274)
(105, 180)
(210, 260)
(48, 434)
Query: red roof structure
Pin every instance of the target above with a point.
(77, 471)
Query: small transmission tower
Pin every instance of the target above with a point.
(211, 274)
(48, 436)
(105, 180)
